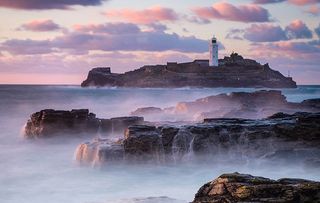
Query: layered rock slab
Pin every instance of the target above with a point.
(289, 137)
(50, 122)
(236, 187)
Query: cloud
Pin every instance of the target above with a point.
(314, 10)
(226, 11)
(303, 2)
(317, 30)
(264, 33)
(40, 26)
(271, 33)
(108, 28)
(150, 15)
(28, 46)
(122, 37)
(47, 4)
(298, 30)
(267, 1)
(296, 2)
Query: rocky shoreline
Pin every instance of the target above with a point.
(287, 137)
(224, 135)
(233, 71)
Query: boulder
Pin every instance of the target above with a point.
(50, 122)
(236, 187)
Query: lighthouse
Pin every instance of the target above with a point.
(213, 50)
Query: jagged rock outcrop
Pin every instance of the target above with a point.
(236, 187)
(49, 122)
(252, 105)
(288, 137)
(233, 71)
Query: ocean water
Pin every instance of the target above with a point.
(40, 171)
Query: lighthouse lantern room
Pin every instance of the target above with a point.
(213, 49)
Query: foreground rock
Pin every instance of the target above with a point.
(233, 71)
(49, 122)
(235, 187)
(291, 138)
(252, 105)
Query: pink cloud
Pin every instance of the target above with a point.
(226, 11)
(146, 16)
(108, 37)
(298, 30)
(303, 2)
(110, 28)
(267, 32)
(314, 10)
(296, 2)
(40, 26)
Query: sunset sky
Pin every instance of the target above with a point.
(58, 42)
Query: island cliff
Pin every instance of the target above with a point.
(233, 71)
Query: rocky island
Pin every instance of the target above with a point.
(233, 71)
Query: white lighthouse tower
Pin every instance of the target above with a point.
(213, 49)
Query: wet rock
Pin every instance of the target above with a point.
(142, 143)
(236, 187)
(296, 137)
(50, 122)
(100, 151)
(118, 125)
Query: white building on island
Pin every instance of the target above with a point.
(213, 50)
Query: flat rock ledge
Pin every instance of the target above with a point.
(236, 187)
(50, 122)
(290, 138)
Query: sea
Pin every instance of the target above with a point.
(44, 170)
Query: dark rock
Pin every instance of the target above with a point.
(49, 122)
(296, 137)
(142, 143)
(119, 124)
(235, 187)
(233, 71)
(100, 151)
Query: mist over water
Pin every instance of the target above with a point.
(44, 170)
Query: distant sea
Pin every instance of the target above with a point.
(40, 171)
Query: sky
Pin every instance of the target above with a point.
(58, 42)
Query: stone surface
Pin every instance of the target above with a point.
(236, 187)
(49, 122)
(253, 105)
(233, 71)
(292, 138)
(118, 125)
